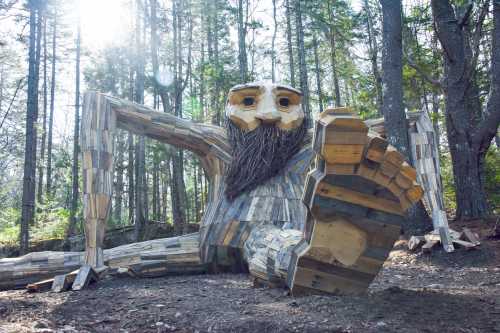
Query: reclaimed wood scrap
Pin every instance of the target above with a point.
(40, 286)
(415, 242)
(464, 244)
(358, 198)
(84, 277)
(429, 245)
(470, 236)
(63, 282)
(445, 239)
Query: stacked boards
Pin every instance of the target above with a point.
(357, 195)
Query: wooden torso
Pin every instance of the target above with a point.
(226, 225)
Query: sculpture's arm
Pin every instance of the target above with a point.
(201, 139)
(100, 117)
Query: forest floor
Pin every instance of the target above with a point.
(440, 292)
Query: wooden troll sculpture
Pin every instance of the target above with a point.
(317, 212)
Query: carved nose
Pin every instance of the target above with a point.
(269, 117)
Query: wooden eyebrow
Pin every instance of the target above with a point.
(288, 89)
(244, 87)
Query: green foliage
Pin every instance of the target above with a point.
(9, 229)
(448, 184)
(50, 223)
(492, 178)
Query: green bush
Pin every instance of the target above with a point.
(9, 226)
(492, 178)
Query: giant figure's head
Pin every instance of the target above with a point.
(266, 126)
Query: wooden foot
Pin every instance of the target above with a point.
(357, 195)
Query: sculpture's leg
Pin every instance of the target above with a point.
(98, 126)
(357, 197)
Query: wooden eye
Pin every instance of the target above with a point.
(284, 102)
(248, 101)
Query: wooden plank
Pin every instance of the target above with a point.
(465, 244)
(376, 149)
(342, 154)
(63, 282)
(470, 236)
(445, 238)
(415, 242)
(429, 245)
(40, 286)
(358, 198)
(84, 277)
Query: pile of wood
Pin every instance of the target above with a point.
(465, 239)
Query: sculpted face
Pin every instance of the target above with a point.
(265, 127)
(252, 104)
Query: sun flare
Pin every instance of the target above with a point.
(103, 22)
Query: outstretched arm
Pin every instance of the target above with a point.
(101, 116)
(201, 139)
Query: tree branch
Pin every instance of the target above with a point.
(488, 127)
(18, 87)
(465, 18)
(476, 38)
(435, 82)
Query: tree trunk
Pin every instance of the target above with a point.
(289, 42)
(120, 147)
(76, 138)
(393, 109)
(469, 132)
(140, 147)
(41, 163)
(29, 181)
(392, 79)
(333, 56)
(273, 42)
(242, 51)
(130, 178)
(373, 51)
(318, 75)
(304, 83)
(52, 105)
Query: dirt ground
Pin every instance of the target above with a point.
(458, 292)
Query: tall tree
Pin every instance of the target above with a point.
(52, 104)
(333, 52)
(242, 35)
(304, 82)
(392, 77)
(288, 14)
(273, 44)
(29, 181)
(469, 129)
(76, 138)
(373, 53)
(140, 147)
(392, 81)
(318, 73)
(41, 160)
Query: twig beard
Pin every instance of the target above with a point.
(259, 155)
